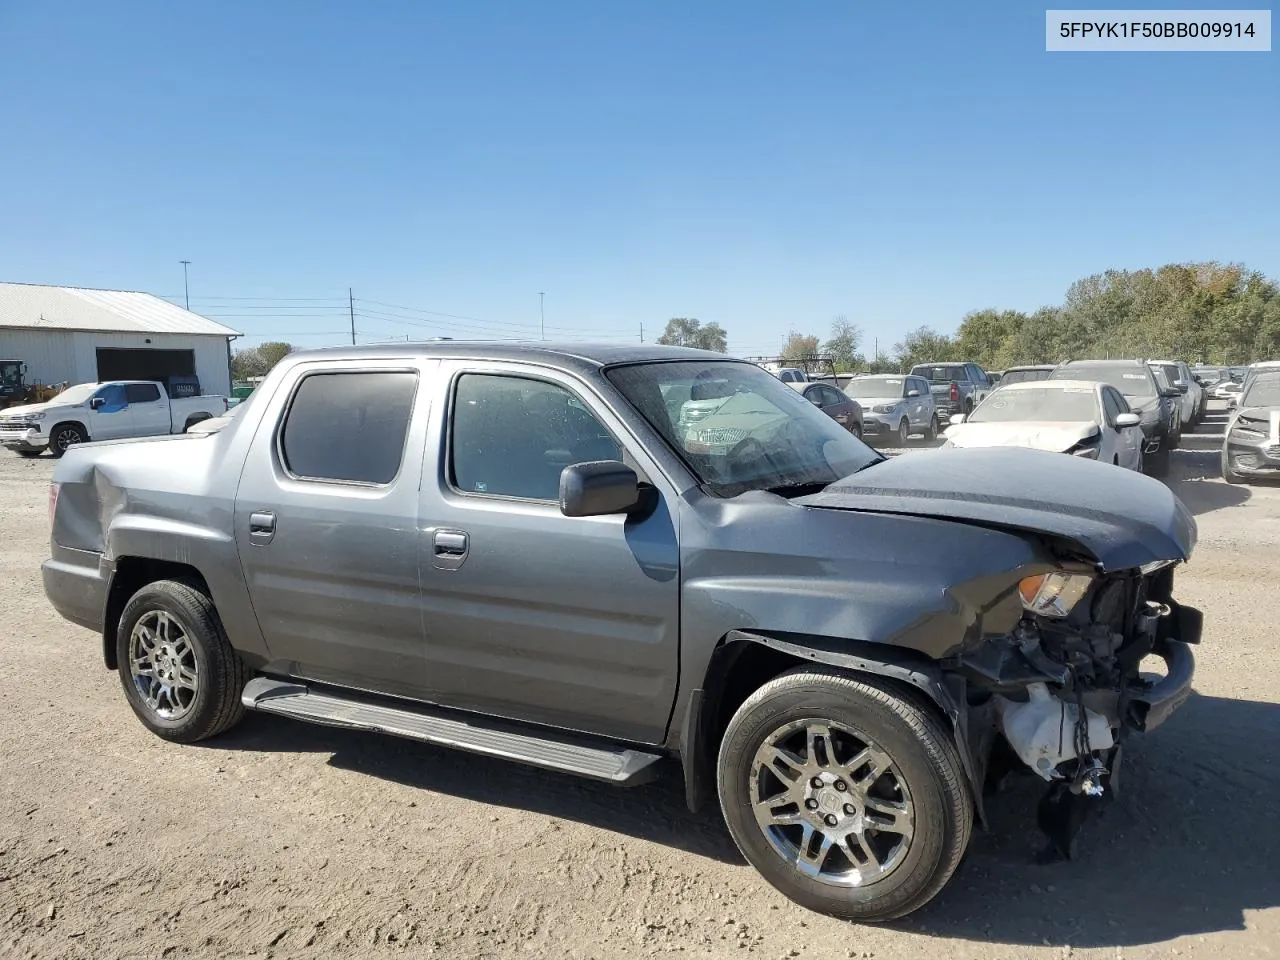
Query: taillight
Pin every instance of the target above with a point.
(53, 501)
(955, 392)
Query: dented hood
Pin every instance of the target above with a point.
(1051, 436)
(1121, 518)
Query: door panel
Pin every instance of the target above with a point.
(566, 621)
(149, 409)
(326, 523)
(111, 419)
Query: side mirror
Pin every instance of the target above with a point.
(1181, 386)
(1127, 420)
(913, 393)
(598, 488)
(956, 419)
(96, 402)
(1171, 393)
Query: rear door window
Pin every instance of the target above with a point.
(141, 392)
(348, 427)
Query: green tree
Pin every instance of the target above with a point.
(247, 363)
(923, 345)
(798, 350)
(688, 332)
(273, 351)
(843, 345)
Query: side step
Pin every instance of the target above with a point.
(617, 765)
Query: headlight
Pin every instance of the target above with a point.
(1089, 452)
(1246, 433)
(1149, 568)
(884, 408)
(1053, 594)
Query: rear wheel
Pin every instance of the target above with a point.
(931, 433)
(845, 796)
(856, 429)
(179, 672)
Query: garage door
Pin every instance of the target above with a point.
(115, 363)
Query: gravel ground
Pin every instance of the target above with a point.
(281, 839)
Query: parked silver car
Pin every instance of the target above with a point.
(894, 407)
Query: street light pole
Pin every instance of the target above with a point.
(542, 314)
(186, 289)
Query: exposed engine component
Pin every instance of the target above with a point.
(1043, 731)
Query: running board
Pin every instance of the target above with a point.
(617, 765)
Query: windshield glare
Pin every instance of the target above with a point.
(740, 428)
(1058, 405)
(1263, 392)
(1131, 381)
(867, 388)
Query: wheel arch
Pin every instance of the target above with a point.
(71, 422)
(131, 575)
(744, 661)
(196, 418)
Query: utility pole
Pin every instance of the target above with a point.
(351, 308)
(542, 314)
(642, 333)
(186, 289)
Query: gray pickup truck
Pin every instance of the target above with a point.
(518, 550)
(957, 387)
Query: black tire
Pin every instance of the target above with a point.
(1157, 464)
(904, 433)
(194, 419)
(215, 706)
(29, 454)
(923, 758)
(64, 436)
(1228, 474)
(931, 434)
(856, 429)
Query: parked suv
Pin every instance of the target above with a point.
(1156, 403)
(515, 549)
(894, 407)
(956, 387)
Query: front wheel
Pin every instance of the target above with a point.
(179, 672)
(845, 796)
(856, 429)
(904, 432)
(1228, 474)
(64, 437)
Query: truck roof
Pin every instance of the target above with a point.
(566, 354)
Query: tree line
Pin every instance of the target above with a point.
(1199, 312)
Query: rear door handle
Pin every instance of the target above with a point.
(262, 526)
(449, 549)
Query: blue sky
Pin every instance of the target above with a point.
(763, 165)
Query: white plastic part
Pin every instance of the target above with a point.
(1042, 731)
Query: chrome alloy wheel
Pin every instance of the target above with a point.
(831, 802)
(163, 666)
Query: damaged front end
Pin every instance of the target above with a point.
(1061, 692)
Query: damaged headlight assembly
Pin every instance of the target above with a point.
(1053, 594)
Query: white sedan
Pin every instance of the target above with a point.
(1078, 417)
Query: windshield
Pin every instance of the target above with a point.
(1132, 381)
(867, 388)
(943, 373)
(1170, 371)
(10, 371)
(1264, 391)
(77, 394)
(1024, 376)
(1057, 404)
(739, 428)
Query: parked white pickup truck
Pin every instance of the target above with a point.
(102, 411)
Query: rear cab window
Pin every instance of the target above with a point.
(141, 392)
(348, 426)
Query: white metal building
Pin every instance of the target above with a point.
(84, 336)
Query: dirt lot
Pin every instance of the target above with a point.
(286, 840)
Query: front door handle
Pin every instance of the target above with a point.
(449, 549)
(262, 526)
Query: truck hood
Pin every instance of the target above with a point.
(1119, 517)
(1050, 436)
(25, 409)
